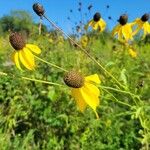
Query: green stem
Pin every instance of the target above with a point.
(32, 79)
(117, 90)
(51, 64)
(41, 81)
(84, 50)
(120, 102)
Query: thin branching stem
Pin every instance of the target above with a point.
(41, 81)
(84, 50)
(51, 64)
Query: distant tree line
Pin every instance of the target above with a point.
(19, 21)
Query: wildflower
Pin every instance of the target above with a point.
(38, 9)
(97, 23)
(22, 51)
(142, 24)
(84, 89)
(132, 53)
(84, 41)
(123, 30)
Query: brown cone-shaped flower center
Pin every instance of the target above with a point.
(74, 79)
(123, 19)
(17, 41)
(38, 9)
(97, 17)
(145, 17)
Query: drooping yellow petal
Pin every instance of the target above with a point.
(139, 26)
(136, 31)
(93, 78)
(127, 32)
(79, 99)
(146, 27)
(132, 53)
(93, 89)
(102, 24)
(89, 97)
(116, 30)
(27, 59)
(95, 25)
(120, 36)
(139, 22)
(15, 58)
(88, 24)
(91, 22)
(34, 48)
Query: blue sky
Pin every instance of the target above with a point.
(59, 10)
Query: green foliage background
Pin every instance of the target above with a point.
(40, 116)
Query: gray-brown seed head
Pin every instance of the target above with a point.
(74, 79)
(17, 41)
(145, 17)
(123, 19)
(38, 9)
(97, 17)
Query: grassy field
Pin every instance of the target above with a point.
(35, 115)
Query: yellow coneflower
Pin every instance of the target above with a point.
(23, 51)
(84, 89)
(123, 30)
(97, 23)
(132, 53)
(84, 41)
(142, 24)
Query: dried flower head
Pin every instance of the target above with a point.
(17, 41)
(145, 17)
(74, 79)
(97, 17)
(123, 19)
(38, 9)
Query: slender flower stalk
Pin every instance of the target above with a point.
(51, 64)
(116, 100)
(84, 50)
(41, 81)
(117, 90)
(38, 9)
(31, 79)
